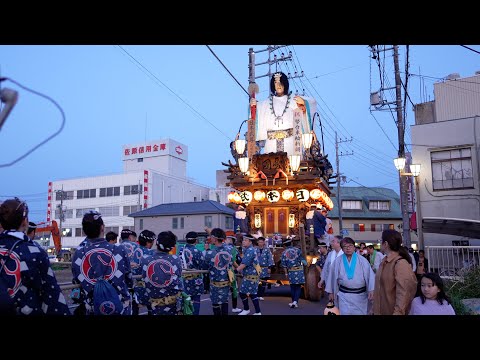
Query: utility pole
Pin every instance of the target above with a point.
(401, 149)
(61, 216)
(270, 62)
(339, 202)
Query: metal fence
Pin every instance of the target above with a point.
(452, 262)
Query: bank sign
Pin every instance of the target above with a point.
(155, 148)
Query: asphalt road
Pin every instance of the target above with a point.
(275, 303)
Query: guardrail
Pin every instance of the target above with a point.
(451, 262)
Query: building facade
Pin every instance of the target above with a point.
(366, 212)
(445, 140)
(181, 218)
(154, 173)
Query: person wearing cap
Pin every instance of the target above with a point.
(218, 261)
(241, 220)
(97, 257)
(250, 269)
(236, 260)
(265, 260)
(25, 269)
(351, 281)
(162, 274)
(32, 227)
(293, 262)
(145, 242)
(128, 240)
(192, 259)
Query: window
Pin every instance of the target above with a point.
(109, 211)
(80, 212)
(141, 224)
(174, 223)
(111, 228)
(228, 222)
(86, 194)
(110, 191)
(182, 223)
(140, 160)
(351, 205)
(178, 224)
(379, 205)
(67, 195)
(127, 210)
(67, 232)
(452, 169)
(208, 221)
(130, 190)
(67, 214)
(358, 227)
(79, 232)
(381, 227)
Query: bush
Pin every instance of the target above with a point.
(467, 288)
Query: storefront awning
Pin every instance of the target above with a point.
(461, 227)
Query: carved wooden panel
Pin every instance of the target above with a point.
(270, 163)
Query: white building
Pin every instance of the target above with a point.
(445, 138)
(154, 174)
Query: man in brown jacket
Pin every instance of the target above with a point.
(395, 282)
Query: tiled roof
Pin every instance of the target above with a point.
(365, 195)
(186, 208)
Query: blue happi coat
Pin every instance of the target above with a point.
(250, 259)
(138, 284)
(292, 258)
(162, 274)
(265, 259)
(29, 278)
(218, 261)
(98, 258)
(135, 254)
(193, 259)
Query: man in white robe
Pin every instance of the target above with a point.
(332, 255)
(351, 281)
(276, 123)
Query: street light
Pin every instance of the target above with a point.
(399, 163)
(294, 162)
(307, 140)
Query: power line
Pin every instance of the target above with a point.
(171, 91)
(469, 48)
(378, 192)
(62, 125)
(220, 61)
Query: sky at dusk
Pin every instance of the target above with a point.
(115, 95)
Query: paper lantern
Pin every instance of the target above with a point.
(237, 199)
(315, 194)
(331, 309)
(246, 197)
(287, 195)
(302, 195)
(259, 195)
(231, 196)
(258, 221)
(273, 196)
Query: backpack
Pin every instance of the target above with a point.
(7, 304)
(105, 299)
